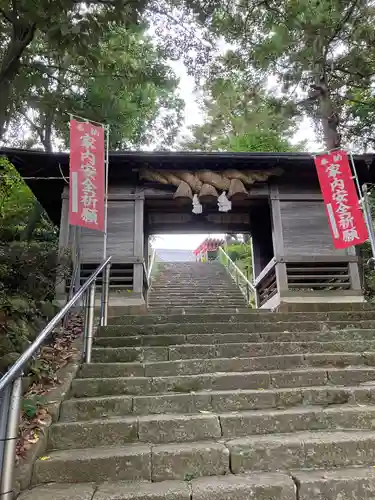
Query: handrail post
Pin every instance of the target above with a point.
(256, 296)
(4, 408)
(105, 296)
(85, 322)
(10, 413)
(89, 327)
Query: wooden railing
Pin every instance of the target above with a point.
(318, 276)
(265, 283)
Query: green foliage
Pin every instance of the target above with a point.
(31, 37)
(320, 53)
(28, 268)
(31, 406)
(16, 199)
(240, 253)
(131, 89)
(241, 116)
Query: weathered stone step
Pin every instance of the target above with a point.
(343, 483)
(191, 282)
(188, 295)
(225, 338)
(90, 387)
(208, 304)
(219, 401)
(197, 301)
(182, 309)
(302, 450)
(192, 293)
(224, 350)
(335, 484)
(254, 316)
(184, 461)
(134, 462)
(146, 429)
(234, 303)
(241, 487)
(224, 327)
(217, 365)
(158, 429)
(231, 327)
(191, 290)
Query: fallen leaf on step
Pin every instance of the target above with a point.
(44, 458)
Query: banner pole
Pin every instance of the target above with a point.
(354, 170)
(106, 164)
(365, 205)
(367, 213)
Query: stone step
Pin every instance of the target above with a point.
(223, 292)
(193, 291)
(157, 304)
(185, 461)
(169, 306)
(224, 288)
(146, 429)
(224, 350)
(254, 316)
(223, 295)
(193, 282)
(229, 365)
(302, 450)
(225, 338)
(331, 306)
(90, 387)
(338, 484)
(163, 310)
(248, 317)
(161, 428)
(241, 487)
(135, 462)
(201, 329)
(231, 326)
(196, 301)
(220, 401)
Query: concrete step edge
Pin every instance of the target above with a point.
(239, 374)
(204, 415)
(207, 488)
(219, 401)
(176, 461)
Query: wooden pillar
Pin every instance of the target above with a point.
(63, 242)
(278, 240)
(355, 278)
(138, 244)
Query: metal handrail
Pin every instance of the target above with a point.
(238, 270)
(249, 287)
(11, 382)
(151, 265)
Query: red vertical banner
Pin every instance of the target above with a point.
(340, 197)
(87, 176)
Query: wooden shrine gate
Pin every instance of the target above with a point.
(273, 196)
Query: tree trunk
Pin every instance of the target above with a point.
(34, 218)
(21, 37)
(329, 118)
(37, 212)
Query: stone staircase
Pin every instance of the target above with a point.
(219, 405)
(190, 285)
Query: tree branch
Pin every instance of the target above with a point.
(339, 28)
(7, 16)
